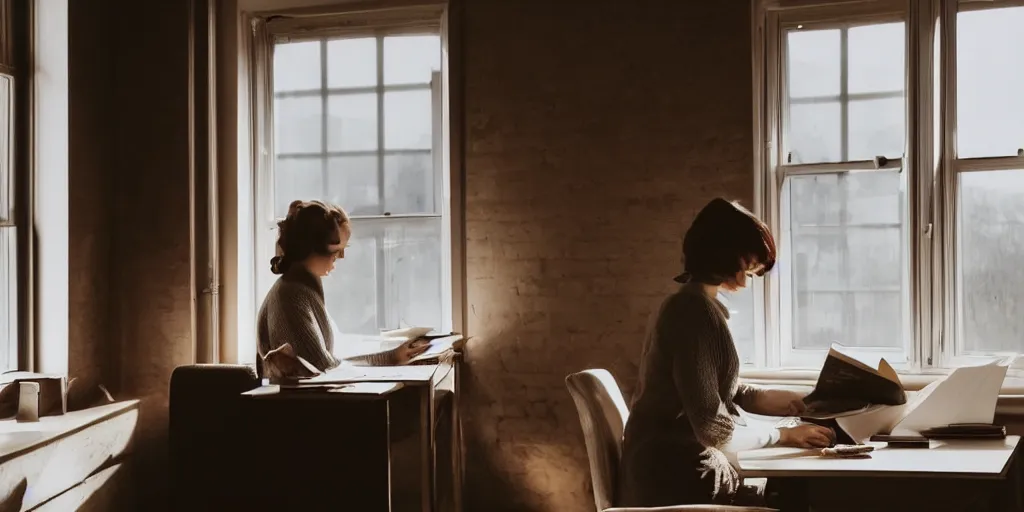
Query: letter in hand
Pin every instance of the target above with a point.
(807, 435)
(410, 349)
(716, 465)
(283, 365)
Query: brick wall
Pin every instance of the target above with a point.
(594, 133)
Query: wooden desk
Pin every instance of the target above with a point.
(951, 475)
(384, 438)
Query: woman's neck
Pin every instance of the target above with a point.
(711, 290)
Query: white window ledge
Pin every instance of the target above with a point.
(1011, 396)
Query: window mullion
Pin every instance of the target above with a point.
(383, 321)
(922, 126)
(945, 306)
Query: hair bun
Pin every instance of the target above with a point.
(275, 265)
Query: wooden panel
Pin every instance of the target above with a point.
(64, 460)
(98, 493)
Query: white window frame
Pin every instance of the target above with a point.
(12, 186)
(953, 166)
(427, 19)
(929, 163)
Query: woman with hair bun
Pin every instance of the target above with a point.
(293, 320)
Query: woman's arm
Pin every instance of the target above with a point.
(769, 402)
(686, 325)
(751, 437)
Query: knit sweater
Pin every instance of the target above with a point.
(294, 312)
(685, 402)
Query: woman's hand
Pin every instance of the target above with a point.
(807, 435)
(716, 465)
(410, 349)
(779, 402)
(282, 364)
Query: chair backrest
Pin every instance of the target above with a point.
(207, 446)
(603, 415)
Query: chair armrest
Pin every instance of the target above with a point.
(691, 508)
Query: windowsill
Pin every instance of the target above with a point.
(1011, 396)
(18, 438)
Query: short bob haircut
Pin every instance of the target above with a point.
(723, 234)
(311, 227)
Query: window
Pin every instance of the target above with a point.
(989, 180)
(358, 123)
(892, 243)
(8, 221)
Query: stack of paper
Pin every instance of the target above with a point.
(967, 395)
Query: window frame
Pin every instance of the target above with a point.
(426, 19)
(950, 346)
(772, 168)
(15, 60)
(930, 161)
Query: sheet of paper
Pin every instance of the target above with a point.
(967, 395)
(860, 427)
(437, 347)
(352, 373)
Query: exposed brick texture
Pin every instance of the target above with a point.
(595, 131)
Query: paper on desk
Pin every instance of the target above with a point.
(967, 395)
(351, 373)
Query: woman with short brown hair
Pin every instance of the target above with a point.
(685, 413)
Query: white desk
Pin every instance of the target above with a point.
(945, 459)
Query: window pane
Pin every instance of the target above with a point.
(352, 122)
(815, 133)
(814, 63)
(832, 121)
(407, 120)
(297, 125)
(351, 289)
(412, 258)
(296, 178)
(352, 62)
(410, 252)
(741, 321)
(297, 66)
(411, 59)
(991, 278)
(990, 78)
(876, 128)
(6, 124)
(352, 183)
(409, 183)
(845, 237)
(876, 58)
(8, 298)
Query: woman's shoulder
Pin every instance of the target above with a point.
(290, 292)
(689, 300)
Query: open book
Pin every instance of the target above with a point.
(967, 395)
(847, 386)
